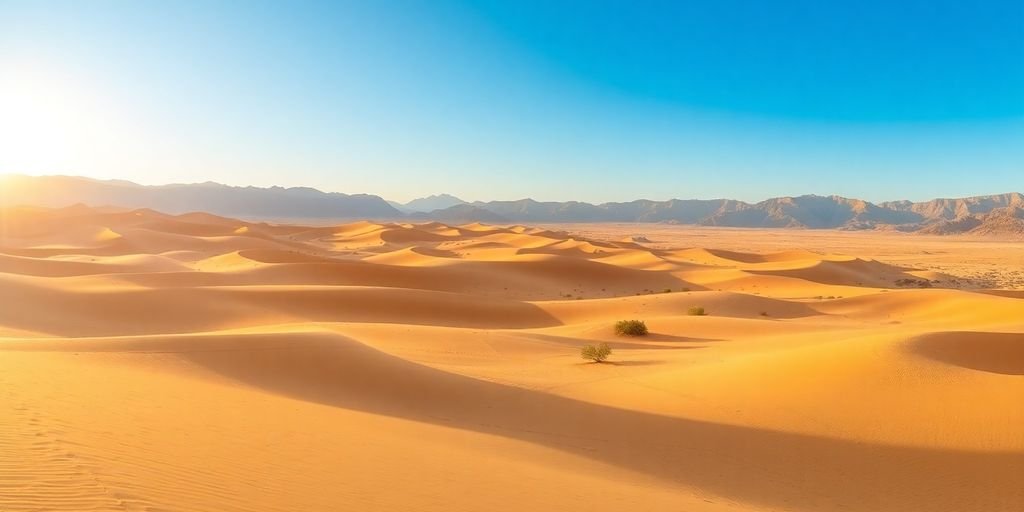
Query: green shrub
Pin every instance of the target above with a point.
(597, 353)
(630, 328)
(696, 311)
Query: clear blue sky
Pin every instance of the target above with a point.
(584, 100)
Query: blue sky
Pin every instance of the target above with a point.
(584, 100)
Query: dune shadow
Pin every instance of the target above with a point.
(779, 470)
(992, 352)
(649, 362)
(657, 336)
(172, 310)
(1012, 294)
(626, 343)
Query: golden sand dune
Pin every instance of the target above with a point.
(198, 363)
(991, 352)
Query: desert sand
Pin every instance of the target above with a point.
(151, 362)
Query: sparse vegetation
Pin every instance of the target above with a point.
(630, 328)
(667, 290)
(696, 311)
(764, 313)
(596, 353)
(920, 283)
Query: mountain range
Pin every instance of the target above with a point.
(1001, 214)
(428, 204)
(246, 202)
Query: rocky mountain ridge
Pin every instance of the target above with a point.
(1000, 214)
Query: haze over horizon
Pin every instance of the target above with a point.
(429, 196)
(492, 100)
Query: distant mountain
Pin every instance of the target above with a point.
(952, 209)
(399, 206)
(999, 221)
(991, 215)
(246, 202)
(434, 202)
(462, 214)
(814, 212)
(805, 212)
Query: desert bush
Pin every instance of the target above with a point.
(596, 353)
(667, 290)
(630, 328)
(696, 311)
(920, 283)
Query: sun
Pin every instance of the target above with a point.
(47, 124)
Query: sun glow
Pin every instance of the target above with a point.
(49, 124)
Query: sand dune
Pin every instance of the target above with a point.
(199, 363)
(991, 352)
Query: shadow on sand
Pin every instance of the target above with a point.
(775, 469)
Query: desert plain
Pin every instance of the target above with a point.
(151, 362)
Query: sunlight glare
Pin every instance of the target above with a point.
(48, 124)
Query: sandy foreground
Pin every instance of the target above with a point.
(195, 363)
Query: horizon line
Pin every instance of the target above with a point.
(528, 198)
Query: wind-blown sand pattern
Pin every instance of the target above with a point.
(196, 363)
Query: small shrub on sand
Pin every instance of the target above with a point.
(696, 311)
(630, 328)
(597, 353)
(667, 290)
